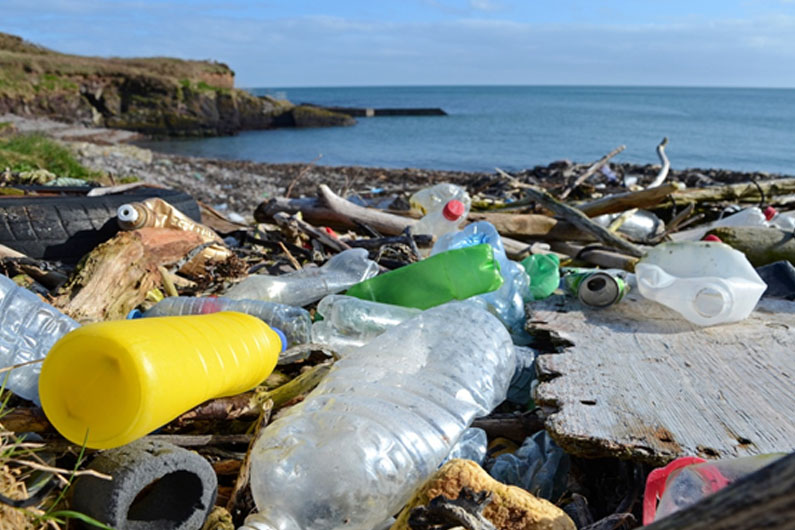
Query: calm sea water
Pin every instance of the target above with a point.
(516, 127)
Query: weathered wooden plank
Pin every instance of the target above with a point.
(637, 381)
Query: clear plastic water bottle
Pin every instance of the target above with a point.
(508, 301)
(380, 423)
(472, 445)
(294, 322)
(28, 329)
(434, 197)
(442, 220)
(351, 322)
(308, 285)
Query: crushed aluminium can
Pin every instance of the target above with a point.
(595, 288)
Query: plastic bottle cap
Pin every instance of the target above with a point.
(127, 213)
(453, 210)
(282, 337)
(770, 213)
(712, 238)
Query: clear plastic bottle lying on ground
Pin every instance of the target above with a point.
(435, 197)
(308, 285)
(351, 322)
(28, 329)
(380, 423)
(752, 216)
(294, 322)
(708, 283)
(508, 301)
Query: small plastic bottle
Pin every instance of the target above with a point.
(294, 322)
(380, 423)
(454, 275)
(110, 383)
(433, 198)
(508, 301)
(28, 329)
(351, 322)
(472, 445)
(156, 212)
(544, 273)
(441, 221)
(308, 285)
(783, 221)
(708, 283)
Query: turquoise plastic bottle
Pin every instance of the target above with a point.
(544, 272)
(453, 275)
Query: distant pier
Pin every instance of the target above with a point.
(357, 112)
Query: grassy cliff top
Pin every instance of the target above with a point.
(21, 60)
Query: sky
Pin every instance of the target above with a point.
(292, 43)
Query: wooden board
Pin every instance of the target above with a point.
(637, 381)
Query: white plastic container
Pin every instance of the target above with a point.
(708, 283)
(380, 423)
(752, 216)
(308, 285)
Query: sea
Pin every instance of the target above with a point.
(518, 127)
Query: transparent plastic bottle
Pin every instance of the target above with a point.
(472, 445)
(708, 283)
(380, 423)
(508, 301)
(308, 285)
(433, 198)
(442, 220)
(752, 216)
(294, 322)
(352, 322)
(28, 329)
(783, 221)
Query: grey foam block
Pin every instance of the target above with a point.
(155, 486)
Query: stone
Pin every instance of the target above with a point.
(510, 508)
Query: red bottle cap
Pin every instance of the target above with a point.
(770, 213)
(655, 485)
(453, 210)
(712, 237)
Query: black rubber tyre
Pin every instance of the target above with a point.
(68, 226)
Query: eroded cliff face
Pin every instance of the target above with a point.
(157, 96)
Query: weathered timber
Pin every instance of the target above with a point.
(637, 381)
(575, 217)
(115, 277)
(764, 499)
(633, 199)
(596, 256)
(596, 166)
(760, 245)
(531, 226)
(777, 191)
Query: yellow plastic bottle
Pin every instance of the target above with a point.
(113, 382)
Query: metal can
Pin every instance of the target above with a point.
(595, 288)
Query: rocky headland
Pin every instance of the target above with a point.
(156, 96)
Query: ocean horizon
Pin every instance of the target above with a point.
(516, 127)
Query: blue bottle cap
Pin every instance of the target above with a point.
(135, 313)
(282, 337)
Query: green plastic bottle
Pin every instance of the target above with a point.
(544, 272)
(452, 275)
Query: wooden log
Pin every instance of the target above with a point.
(596, 166)
(531, 226)
(386, 223)
(336, 244)
(764, 499)
(633, 199)
(115, 277)
(761, 245)
(576, 217)
(6, 252)
(312, 209)
(776, 191)
(596, 256)
(421, 240)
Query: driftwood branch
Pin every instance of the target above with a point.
(596, 166)
(575, 217)
(666, 165)
(282, 219)
(596, 256)
(624, 201)
(384, 222)
(764, 499)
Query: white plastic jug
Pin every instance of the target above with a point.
(708, 283)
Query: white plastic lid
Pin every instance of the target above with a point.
(127, 213)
